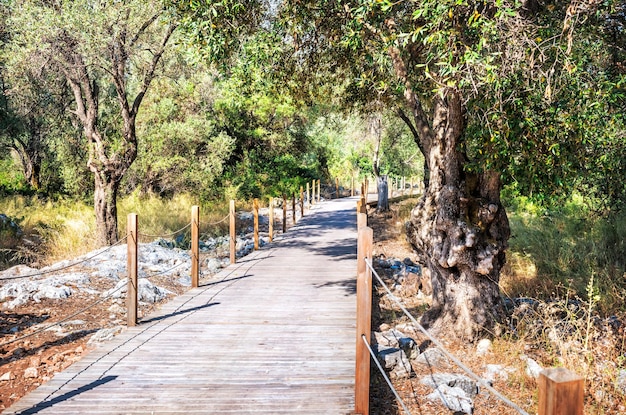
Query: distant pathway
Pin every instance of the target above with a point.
(273, 334)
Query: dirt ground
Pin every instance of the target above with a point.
(26, 364)
(390, 242)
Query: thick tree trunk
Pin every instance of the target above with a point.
(105, 197)
(383, 193)
(460, 230)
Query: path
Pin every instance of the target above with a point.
(273, 334)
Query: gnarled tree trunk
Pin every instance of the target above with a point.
(460, 229)
(105, 206)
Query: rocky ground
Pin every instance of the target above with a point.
(538, 335)
(50, 317)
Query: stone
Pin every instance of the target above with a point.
(213, 265)
(621, 380)
(453, 398)
(533, 369)
(104, 335)
(483, 347)
(31, 372)
(117, 309)
(493, 371)
(395, 361)
(453, 380)
(433, 357)
(7, 376)
(390, 338)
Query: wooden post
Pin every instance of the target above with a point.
(131, 269)
(284, 213)
(337, 187)
(233, 235)
(195, 246)
(319, 190)
(308, 195)
(561, 392)
(361, 220)
(293, 209)
(255, 212)
(363, 321)
(352, 187)
(301, 202)
(313, 192)
(271, 227)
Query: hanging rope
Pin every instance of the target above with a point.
(166, 235)
(49, 271)
(441, 347)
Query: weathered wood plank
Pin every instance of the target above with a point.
(272, 334)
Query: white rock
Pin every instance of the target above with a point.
(533, 369)
(31, 372)
(104, 335)
(483, 347)
(6, 377)
(454, 399)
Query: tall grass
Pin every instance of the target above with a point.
(62, 229)
(555, 254)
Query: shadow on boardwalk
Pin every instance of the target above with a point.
(273, 334)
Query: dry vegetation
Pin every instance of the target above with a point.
(554, 330)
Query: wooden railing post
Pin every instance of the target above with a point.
(233, 234)
(284, 213)
(361, 220)
(308, 195)
(293, 209)
(131, 267)
(561, 392)
(337, 187)
(319, 190)
(363, 321)
(195, 246)
(313, 192)
(255, 211)
(301, 202)
(271, 227)
(352, 187)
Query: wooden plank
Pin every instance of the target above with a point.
(271, 334)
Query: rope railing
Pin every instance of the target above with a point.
(224, 219)
(560, 390)
(50, 271)
(382, 372)
(165, 235)
(68, 318)
(441, 347)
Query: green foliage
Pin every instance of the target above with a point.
(183, 150)
(566, 247)
(11, 178)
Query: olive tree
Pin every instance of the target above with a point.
(457, 73)
(108, 53)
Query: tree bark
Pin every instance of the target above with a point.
(383, 193)
(460, 230)
(105, 206)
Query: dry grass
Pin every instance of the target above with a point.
(570, 322)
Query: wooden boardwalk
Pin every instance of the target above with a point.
(273, 334)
